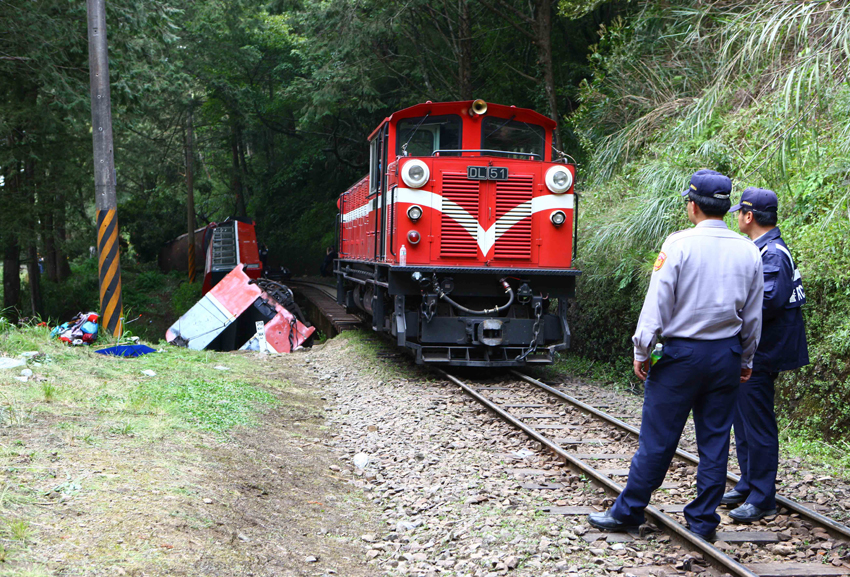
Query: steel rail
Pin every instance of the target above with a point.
(327, 289)
(836, 528)
(721, 559)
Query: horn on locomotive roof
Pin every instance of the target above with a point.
(478, 107)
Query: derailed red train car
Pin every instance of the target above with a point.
(460, 239)
(227, 245)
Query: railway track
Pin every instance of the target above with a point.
(322, 308)
(326, 289)
(797, 542)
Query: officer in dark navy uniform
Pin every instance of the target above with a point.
(782, 347)
(704, 298)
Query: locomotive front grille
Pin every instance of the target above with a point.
(459, 223)
(513, 217)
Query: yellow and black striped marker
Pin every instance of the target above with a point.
(109, 269)
(191, 253)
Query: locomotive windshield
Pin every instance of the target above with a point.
(423, 135)
(508, 135)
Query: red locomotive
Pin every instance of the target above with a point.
(460, 239)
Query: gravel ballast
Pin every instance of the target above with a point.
(460, 491)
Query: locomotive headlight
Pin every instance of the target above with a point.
(414, 213)
(559, 179)
(415, 173)
(558, 217)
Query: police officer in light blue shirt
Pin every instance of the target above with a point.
(782, 347)
(705, 299)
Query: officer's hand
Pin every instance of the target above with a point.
(641, 369)
(746, 374)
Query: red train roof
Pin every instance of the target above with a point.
(499, 110)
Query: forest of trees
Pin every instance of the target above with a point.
(282, 94)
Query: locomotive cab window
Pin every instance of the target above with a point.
(424, 135)
(509, 136)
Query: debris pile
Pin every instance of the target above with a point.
(81, 330)
(242, 313)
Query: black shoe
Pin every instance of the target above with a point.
(606, 522)
(733, 497)
(747, 513)
(710, 537)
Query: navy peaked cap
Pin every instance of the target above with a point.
(760, 199)
(709, 183)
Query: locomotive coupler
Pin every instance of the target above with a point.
(524, 294)
(490, 332)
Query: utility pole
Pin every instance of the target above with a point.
(190, 199)
(106, 200)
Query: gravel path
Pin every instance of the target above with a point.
(448, 477)
(453, 482)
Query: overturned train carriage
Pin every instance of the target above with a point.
(460, 240)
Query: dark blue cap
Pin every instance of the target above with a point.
(760, 199)
(709, 183)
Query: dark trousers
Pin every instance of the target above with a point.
(757, 440)
(692, 374)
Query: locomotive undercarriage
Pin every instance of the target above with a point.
(463, 316)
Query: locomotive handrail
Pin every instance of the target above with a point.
(575, 230)
(349, 271)
(342, 222)
(482, 150)
(392, 219)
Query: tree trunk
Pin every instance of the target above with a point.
(33, 271)
(11, 278)
(236, 176)
(190, 195)
(246, 180)
(465, 59)
(34, 276)
(48, 239)
(63, 269)
(544, 50)
(11, 247)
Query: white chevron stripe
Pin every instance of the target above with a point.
(551, 202)
(486, 238)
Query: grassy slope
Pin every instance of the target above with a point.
(105, 467)
(89, 400)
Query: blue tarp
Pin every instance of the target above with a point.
(127, 350)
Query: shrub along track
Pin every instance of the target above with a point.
(774, 550)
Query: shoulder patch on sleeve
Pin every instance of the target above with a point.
(659, 262)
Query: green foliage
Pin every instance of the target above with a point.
(796, 439)
(752, 90)
(185, 296)
(78, 293)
